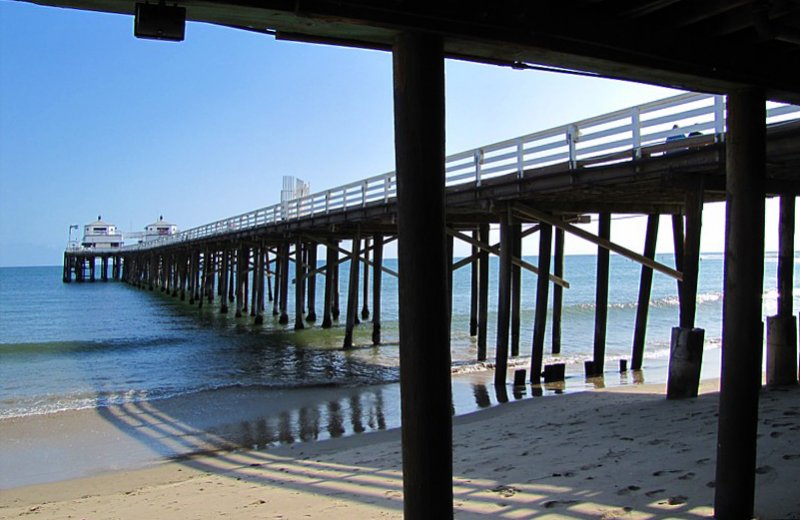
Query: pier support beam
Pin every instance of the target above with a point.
(331, 259)
(645, 286)
(299, 285)
(473, 293)
(558, 291)
(483, 291)
(741, 313)
(542, 287)
(352, 293)
(782, 328)
(691, 257)
(377, 282)
(424, 332)
(258, 282)
(284, 305)
(365, 282)
(503, 301)
(516, 287)
(335, 297)
(311, 316)
(601, 298)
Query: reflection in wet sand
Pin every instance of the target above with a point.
(363, 412)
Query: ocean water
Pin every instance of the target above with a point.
(90, 345)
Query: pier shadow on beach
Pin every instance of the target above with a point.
(623, 453)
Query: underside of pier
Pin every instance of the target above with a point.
(745, 49)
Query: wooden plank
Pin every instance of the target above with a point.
(496, 251)
(603, 243)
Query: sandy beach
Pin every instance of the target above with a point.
(623, 452)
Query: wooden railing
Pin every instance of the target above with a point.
(615, 137)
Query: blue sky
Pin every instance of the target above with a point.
(96, 122)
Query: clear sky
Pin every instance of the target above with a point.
(96, 122)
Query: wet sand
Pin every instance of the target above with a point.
(622, 452)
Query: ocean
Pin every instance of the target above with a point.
(72, 346)
(93, 345)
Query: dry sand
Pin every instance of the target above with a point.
(613, 453)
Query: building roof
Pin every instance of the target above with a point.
(99, 222)
(160, 222)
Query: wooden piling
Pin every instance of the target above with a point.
(104, 268)
(311, 287)
(424, 335)
(483, 291)
(335, 311)
(473, 293)
(299, 285)
(258, 282)
(365, 286)
(542, 296)
(503, 301)
(352, 292)
(645, 286)
(377, 280)
(516, 287)
(284, 255)
(331, 258)
(601, 299)
(558, 291)
(276, 304)
(691, 257)
(742, 328)
(786, 230)
(782, 328)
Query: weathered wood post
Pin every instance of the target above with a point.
(542, 296)
(223, 281)
(516, 287)
(558, 291)
(424, 334)
(299, 285)
(742, 328)
(276, 304)
(311, 316)
(686, 347)
(335, 311)
(782, 328)
(258, 282)
(503, 300)
(66, 271)
(645, 286)
(377, 280)
(91, 268)
(473, 293)
(284, 249)
(267, 263)
(331, 257)
(601, 298)
(483, 288)
(365, 286)
(104, 268)
(242, 259)
(352, 291)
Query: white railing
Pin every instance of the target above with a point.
(615, 137)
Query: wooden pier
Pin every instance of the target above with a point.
(620, 163)
(742, 49)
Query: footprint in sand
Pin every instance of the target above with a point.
(654, 492)
(702, 462)
(628, 490)
(763, 470)
(687, 476)
(791, 456)
(559, 503)
(665, 472)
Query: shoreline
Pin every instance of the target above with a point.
(622, 452)
(71, 444)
